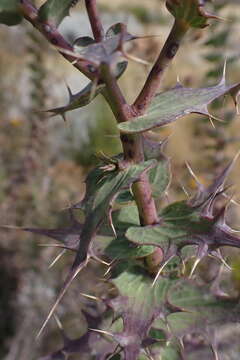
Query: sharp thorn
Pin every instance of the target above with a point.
(194, 267)
(59, 324)
(90, 297)
(57, 258)
(101, 331)
(96, 258)
(71, 276)
(161, 269)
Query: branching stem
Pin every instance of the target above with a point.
(132, 144)
(132, 147)
(50, 32)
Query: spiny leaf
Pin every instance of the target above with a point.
(106, 50)
(205, 196)
(168, 106)
(139, 305)
(118, 247)
(69, 236)
(200, 312)
(86, 344)
(54, 11)
(86, 95)
(187, 223)
(10, 12)
(200, 301)
(190, 12)
(99, 193)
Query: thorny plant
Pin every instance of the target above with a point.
(160, 303)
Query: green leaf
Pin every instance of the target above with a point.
(170, 352)
(194, 222)
(139, 304)
(101, 188)
(125, 197)
(10, 12)
(158, 235)
(183, 215)
(175, 103)
(121, 248)
(86, 95)
(190, 12)
(104, 51)
(54, 11)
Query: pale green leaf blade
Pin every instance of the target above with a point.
(175, 103)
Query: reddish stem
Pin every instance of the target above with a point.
(50, 32)
(132, 148)
(95, 21)
(154, 78)
(132, 144)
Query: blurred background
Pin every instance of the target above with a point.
(44, 160)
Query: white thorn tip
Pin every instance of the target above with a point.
(101, 331)
(57, 258)
(194, 267)
(90, 297)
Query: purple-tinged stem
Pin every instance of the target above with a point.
(132, 148)
(154, 78)
(95, 21)
(50, 32)
(132, 144)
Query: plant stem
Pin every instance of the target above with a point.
(132, 144)
(165, 57)
(132, 148)
(95, 21)
(50, 32)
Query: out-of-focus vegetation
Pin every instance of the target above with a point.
(44, 161)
